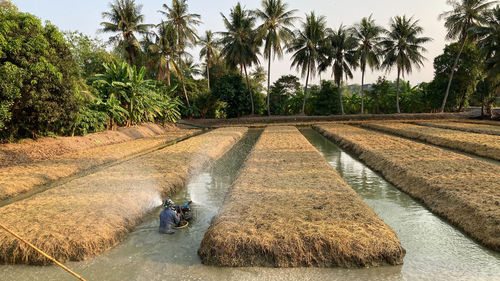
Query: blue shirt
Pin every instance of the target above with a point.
(168, 219)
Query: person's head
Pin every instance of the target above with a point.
(168, 203)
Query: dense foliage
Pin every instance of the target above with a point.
(39, 89)
(70, 83)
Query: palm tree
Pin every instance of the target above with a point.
(163, 52)
(306, 46)
(209, 51)
(341, 52)
(402, 48)
(184, 23)
(489, 42)
(463, 16)
(240, 41)
(367, 33)
(276, 31)
(125, 18)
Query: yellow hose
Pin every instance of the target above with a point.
(42, 253)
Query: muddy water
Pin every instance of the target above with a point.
(435, 251)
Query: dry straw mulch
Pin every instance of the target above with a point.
(462, 189)
(17, 179)
(290, 208)
(27, 151)
(466, 127)
(84, 217)
(478, 144)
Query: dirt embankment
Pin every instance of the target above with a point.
(28, 150)
(302, 120)
(478, 144)
(290, 208)
(460, 188)
(86, 216)
(17, 179)
(466, 127)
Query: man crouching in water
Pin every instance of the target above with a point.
(169, 218)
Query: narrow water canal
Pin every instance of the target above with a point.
(435, 250)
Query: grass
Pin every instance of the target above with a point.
(478, 144)
(462, 189)
(466, 127)
(91, 214)
(17, 179)
(290, 208)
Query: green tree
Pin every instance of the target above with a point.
(125, 19)
(489, 42)
(368, 35)
(185, 24)
(282, 91)
(240, 42)
(469, 71)
(89, 53)
(230, 89)
(277, 21)
(306, 48)
(163, 52)
(402, 48)
(325, 100)
(39, 79)
(209, 51)
(340, 52)
(464, 15)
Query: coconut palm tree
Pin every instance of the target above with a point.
(240, 41)
(277, 21)
(402, 48)
(340, 53)
(185, 24)
(464, 15)
(367, 33)
(209, 51)
(306, 47)
(125, 19)
(489, 41)
(163, 51)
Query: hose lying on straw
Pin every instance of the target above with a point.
(42, 253)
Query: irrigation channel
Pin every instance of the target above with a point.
(435, 250)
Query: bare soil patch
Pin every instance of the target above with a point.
(462, 189)
(86, 216)
(302, 120)
(290, 208)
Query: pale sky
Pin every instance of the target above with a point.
(85, 16)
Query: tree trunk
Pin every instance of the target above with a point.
(305, 89)
(397, 91)
(168, 74)
(248, 86)
(362, 94)
(339, 84)
(269, 82)
(208, 70)
(208, 74)
(452, 73)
